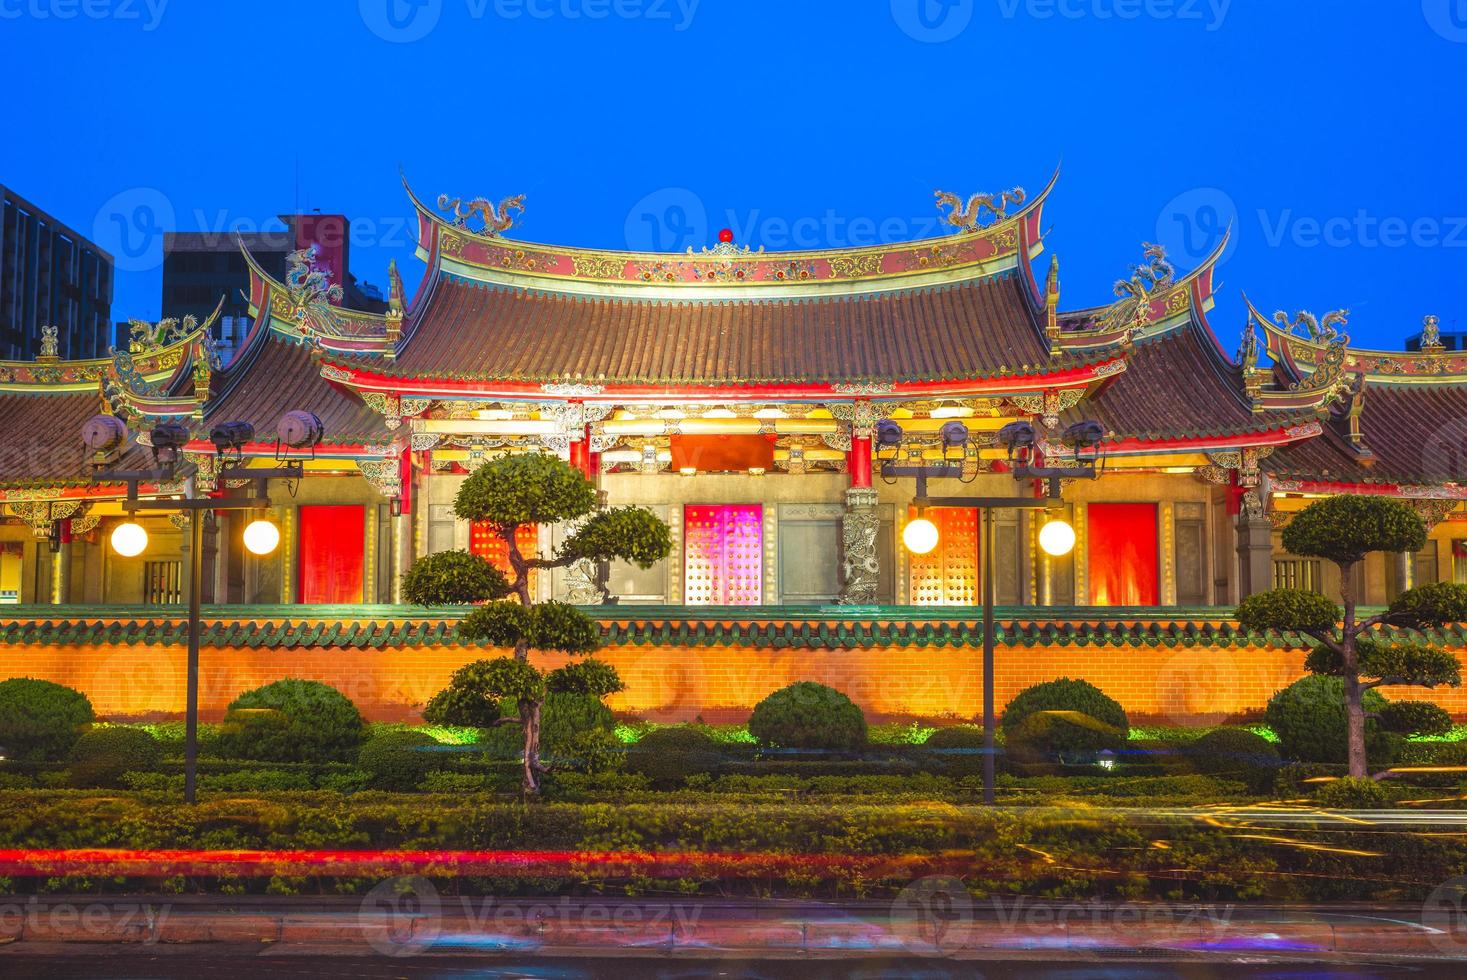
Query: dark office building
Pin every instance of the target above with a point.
(50, 276)
(201, 266)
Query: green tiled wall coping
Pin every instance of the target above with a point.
(772, 627)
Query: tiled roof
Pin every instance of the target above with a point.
(963, 331)
(1418, 433)
(1175, 384)
(40, 437)
(279, 376)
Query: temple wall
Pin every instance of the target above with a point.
(719, 683)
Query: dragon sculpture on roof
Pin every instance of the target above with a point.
(1133, 305)
(967, 217)
(495, 218)
(1320, 330)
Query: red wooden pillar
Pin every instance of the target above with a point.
(859, 461)
(582, 458)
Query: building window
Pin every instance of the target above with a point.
(948, 574)
(1296, 573)
(11, 554)
(1191, 554)
(723, 555)
(1122, 554)
(162, 583)
(332, 549)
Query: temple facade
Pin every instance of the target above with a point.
(735, 393)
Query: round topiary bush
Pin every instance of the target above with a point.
(1352, 793)
(1309, 718)
(671, 755)
(807, 715)
(400, 760)
(1069, 737)
(1236, 753)
(1065, 695)
(101, 756)
(956, 749)
(40, 721)
(1415, 718)
(292, 721)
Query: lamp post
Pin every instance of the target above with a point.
(106, 437)
(1056, 538)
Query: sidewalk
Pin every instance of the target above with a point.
(401, 925)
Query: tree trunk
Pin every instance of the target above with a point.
(1350, 674)
(530, 719)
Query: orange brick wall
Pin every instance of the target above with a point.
(720, 684)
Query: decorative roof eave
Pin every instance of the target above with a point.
(347, 449)
(1120, 444)
(1289, 483)
(1188, 299)
(727, 273)
(159, 367)
(82, 489)
(359, 333)
(1027, 381)
(1300, 357)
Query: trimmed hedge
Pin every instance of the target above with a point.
(1238, 753)
(103, 755)
(40, 721)
(292, 721)
(1065, 694)
(1309, 718)
(1415, 718)
(401, 760)
(671, 755)
(806, 715)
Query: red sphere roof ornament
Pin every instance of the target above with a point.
(726, 236)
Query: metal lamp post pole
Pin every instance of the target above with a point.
(191, 708)
(989, 749)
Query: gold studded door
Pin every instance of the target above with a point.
(948, 575)
(723, 554)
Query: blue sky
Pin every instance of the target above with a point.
(1329, 131)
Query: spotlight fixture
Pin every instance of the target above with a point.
(954, 435)
(888, 434)
(104, 436)
(1085, 436)
(168, 439)
(231, 437)
(1017, 439)
(299, 431)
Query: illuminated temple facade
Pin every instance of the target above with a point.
(735, 392)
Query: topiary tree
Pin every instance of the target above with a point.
(509, 492)
(1065, 694)
(40, 721)
(1344, 530)
(807, 715)
(101, 756)
(292, 720)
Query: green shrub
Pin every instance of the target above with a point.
(1238, 753)
(590, 676)
(1309, 718)
(459, 783)
(593, 750)
(955, 750)
(1065, 695)
(1353, 793)
(563, 717)
(1061, 736)
(670, 755)
(807, 715)
(102, 755)
(292, 721)
(400, 760)
(1415, 718)
(40, 721)
(1304, 778)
